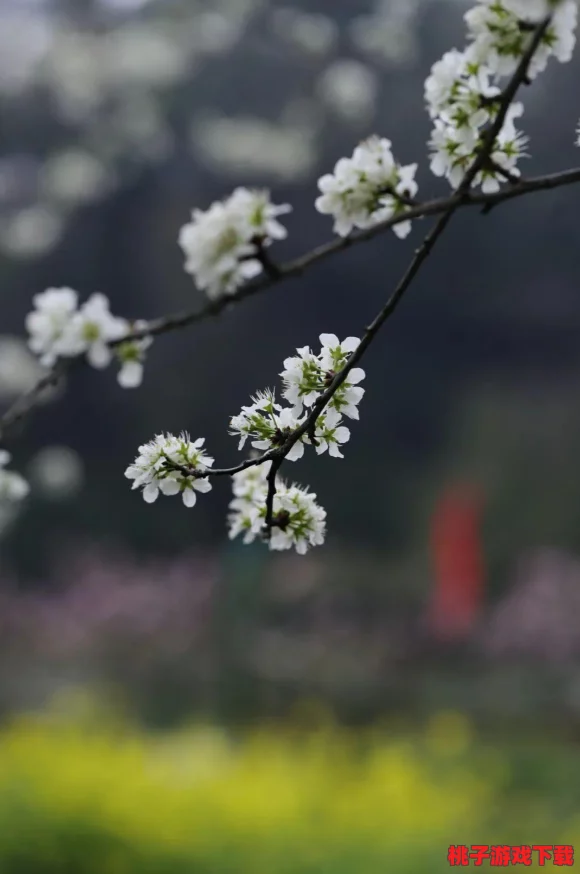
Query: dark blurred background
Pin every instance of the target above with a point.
(450, 580)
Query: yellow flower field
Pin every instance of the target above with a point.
(77, 798)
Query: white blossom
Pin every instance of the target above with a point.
(454, 150)
(441, 83)
(13, 487)
(164, 465)
(250, 489)
(459, 91)
(334, 353)
(297, 520)
(248, 485)
(268, 425)
(367, 189)
(46, 323)
(91, 330)
(330, 434)
(222, 245)
(58, 328)
(508, 148)
(255, 417)
(348, 396)
(306, 376)
(303, 378)
(501, 31)
(131, 355)
(462, 92)
(533, 10)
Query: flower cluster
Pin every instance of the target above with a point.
(13, 487)
(224, 246)
(269, 425)
(500, 33)
(297, 520)
(462, 92)
(367, 189)
(59, 328)
(306, 376)
(171, 465)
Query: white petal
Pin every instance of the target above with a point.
(357, 374)
(402, 229)
(329, 340)
(250, 269)
(332, 417)
(130, 374)
(490, 185)
(202, 485)
(169, 486)
(150, 493)
(189, 498)
(296, 452)
(99, 355)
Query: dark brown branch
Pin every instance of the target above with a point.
(272, 474)
(202, 473)
(276, 456)
(271, 270)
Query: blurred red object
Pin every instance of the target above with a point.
(457, 597)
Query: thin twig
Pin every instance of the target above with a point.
(31, 398)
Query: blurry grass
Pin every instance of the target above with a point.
(87, 795)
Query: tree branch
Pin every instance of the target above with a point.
(421, 255)
(274, 275)
(423, 252)
(299, 265)
(30, 399)
(462, 198)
